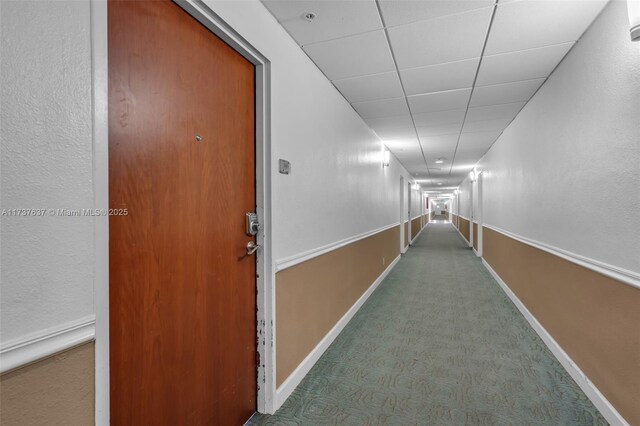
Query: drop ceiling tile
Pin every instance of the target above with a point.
(479, 141)
(386, 123)
(397, 134)
(494, 112)
(436, 78)
(521, 65)
(445, 129)
(486, 125)
(362, 54)
(441, 143)
(439, 117)
(370, 87)
(334, 19)
(505, 93)
(439, 101)
(381, 108)
(526, 24)
(400, 12)
(447, 39)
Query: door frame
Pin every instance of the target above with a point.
(265, 295)
(402, 250)
(409, 189)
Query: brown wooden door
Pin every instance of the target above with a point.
(182, 291)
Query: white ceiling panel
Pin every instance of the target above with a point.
(386, 123)
(447, 39)
(400, 12)
(439, 101)
(440, 143)
(526, 24)
(382, 108)
(439, 117)
(494, 112)
(334, 19)
(477, 141)
(370, 87)
(505, 93)
(436, 78)
(362, 54)
(444, 129)
(397, 134)
(521, 65)
(485, 125)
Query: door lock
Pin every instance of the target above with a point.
(252, 248)
(251, 224)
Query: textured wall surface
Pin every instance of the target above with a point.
(337, 182)
(55, 391)
(45, 128)
(574, 148)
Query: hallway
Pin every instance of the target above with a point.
(437, 343)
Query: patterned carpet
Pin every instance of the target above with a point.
(438, 343)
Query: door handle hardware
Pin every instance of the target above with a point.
(252, 247)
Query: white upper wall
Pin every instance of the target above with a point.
(566, 172)
(45, 127)
(337, 187)
(465, 198)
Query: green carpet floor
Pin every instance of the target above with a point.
(438, 343)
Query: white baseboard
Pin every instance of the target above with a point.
(592, 392)
(34, 347)
(294, 379)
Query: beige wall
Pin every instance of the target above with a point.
(415, 227)
(595, 319)
(58, 390)
(312, 296)
(464, 227)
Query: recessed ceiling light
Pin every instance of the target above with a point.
(439, 160)
(439, 183)
(309, 16)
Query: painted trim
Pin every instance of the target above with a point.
(590, 390)
(465, 218)
(290, 261)
(289, 385)
(25, 350)
(623, 275)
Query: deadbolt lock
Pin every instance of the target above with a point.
(252, 225)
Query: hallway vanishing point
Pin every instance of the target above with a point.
(438, 343)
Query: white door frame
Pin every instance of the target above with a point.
(479, 212)
(265, 296)
(409, 211)
(402, 215)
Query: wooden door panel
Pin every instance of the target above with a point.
(182, 295)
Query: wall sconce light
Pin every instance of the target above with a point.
(472, 176)
(455, 192)
(634, 19)
(386, 159)
(416, 187)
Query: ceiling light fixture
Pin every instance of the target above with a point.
(309, 16)
(439, 160)
(439, 183)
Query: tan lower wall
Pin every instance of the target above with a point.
(406, 234)
(595, 319)
(416, 226)
(58, 390)
(464, 227)
(312, 296)
(454, 220)
(475, 236)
